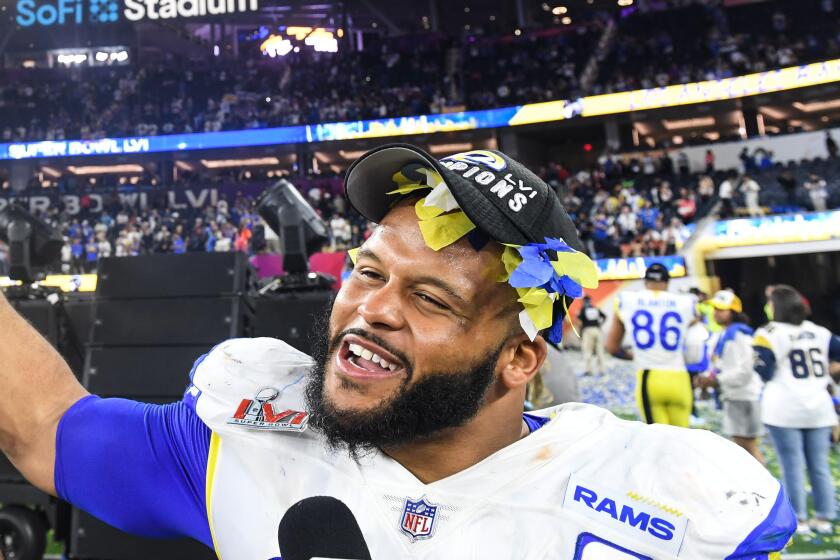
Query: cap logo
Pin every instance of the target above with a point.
(480, 157)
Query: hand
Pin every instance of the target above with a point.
(706, 382)
(835, 434)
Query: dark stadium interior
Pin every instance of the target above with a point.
(702, 134)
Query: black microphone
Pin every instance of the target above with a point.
(321, 527)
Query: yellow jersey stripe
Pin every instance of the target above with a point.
(760, 340)
(212, 459)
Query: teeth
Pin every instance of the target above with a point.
(361, 352)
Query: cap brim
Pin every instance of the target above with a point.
(371, 177)
(719, 305)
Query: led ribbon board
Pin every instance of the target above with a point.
(613, 103)
(770, 230)
(634, 268)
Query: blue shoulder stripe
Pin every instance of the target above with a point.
(535, 422)
(771, 535)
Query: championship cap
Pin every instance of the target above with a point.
(724, 299)
(657, 273)
(500, 195)
(481, 195)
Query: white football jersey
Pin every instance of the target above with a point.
(585, 486)
(797, 394)
(657, 322)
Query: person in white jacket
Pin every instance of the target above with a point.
(732, 373)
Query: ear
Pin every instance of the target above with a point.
(524, 359)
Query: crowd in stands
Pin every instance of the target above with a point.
(232, 223)
(623, 207)
(542, 67)
(415, 74)
(632, 208)
(707, 41)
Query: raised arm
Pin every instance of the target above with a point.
(36, 389)
(614, 338)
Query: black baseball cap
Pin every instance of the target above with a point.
(657, 273)
(497, 193)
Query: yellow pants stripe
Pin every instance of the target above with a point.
(664, 397)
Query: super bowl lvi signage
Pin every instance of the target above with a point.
(76, 12)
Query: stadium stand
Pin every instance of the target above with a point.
(707, 41)
(402, 76)
(632, 208)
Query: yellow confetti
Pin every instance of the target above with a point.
(539, 305)
(354, 254)
(533, 296)
(408, 188)
(401, 179)
(441, 231)
(426, 212)
(578, 267)
(510, 259)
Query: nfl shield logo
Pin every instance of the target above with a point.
(418, 519)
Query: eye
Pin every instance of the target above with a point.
(370, 274)
(427, 298)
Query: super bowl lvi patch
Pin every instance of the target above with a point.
(259, 413)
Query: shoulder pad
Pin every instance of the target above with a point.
(729, 498)
(242, 369)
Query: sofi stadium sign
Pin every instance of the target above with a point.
(77, 12)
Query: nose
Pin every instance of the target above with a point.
(382, 308)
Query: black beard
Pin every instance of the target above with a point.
(442, 400)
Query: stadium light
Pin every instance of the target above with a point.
(817, 106)
(246, 162)
(559, 10)
(101, 56)
(71, 59)
(322, 41)
(101, 169)
(276, 45)
(301, 230)
(298, 33)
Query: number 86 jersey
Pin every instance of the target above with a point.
(796, 395)
(657, 322)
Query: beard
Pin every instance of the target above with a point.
(440, 401)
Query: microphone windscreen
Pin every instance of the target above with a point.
(321, 527)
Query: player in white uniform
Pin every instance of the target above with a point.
(658, 322)
(404, 437)
(793, 357)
